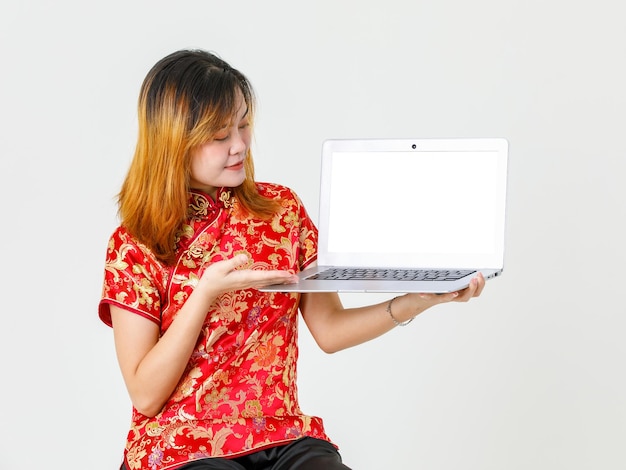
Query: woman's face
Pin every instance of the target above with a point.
(220, 162)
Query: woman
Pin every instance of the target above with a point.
(209, 361)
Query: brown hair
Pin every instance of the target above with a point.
(184, 100)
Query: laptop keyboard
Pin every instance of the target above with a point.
(350, 274)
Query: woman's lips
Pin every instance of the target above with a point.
(236, 166)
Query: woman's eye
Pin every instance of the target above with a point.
(220, 137)
(243, 125)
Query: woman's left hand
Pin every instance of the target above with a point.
(475, 288)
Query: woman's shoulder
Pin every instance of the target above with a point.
(122, 235)
(276, 191)
(289, 201)
(125, 244)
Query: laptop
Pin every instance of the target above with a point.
(408, 215)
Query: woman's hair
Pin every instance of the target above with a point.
(185, 99)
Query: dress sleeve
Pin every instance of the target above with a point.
(308, 238)
(131, 279)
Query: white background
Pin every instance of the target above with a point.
(531, 375)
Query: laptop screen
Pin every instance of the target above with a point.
(384, 203)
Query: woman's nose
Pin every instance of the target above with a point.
(238, 144)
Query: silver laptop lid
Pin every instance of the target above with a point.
(413, 203)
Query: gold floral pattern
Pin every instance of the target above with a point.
(238, 392)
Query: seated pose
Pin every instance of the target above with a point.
(208, 360)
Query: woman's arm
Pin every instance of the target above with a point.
(335, 328)
(152, 366)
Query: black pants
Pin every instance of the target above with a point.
(304, 454)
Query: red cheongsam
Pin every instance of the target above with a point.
(238, 393)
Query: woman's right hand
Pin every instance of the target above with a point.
(225, 276)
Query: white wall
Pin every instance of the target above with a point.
(528, 376)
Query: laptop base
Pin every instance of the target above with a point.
(376, 286)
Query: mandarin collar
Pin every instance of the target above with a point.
(202, 206)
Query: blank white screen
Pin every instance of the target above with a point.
(413, 202)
